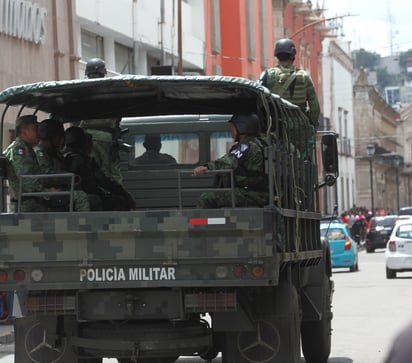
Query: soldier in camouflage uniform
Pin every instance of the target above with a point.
(105, 132)
(290, 82)
(152, 155)
(246, 160)
(94, 182)
(22, 160)
(51, 160)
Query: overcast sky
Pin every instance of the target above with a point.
(373, 22)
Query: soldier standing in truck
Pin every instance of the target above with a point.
(105, 132)
(246, 160)
(290, 82)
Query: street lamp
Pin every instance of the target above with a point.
(370, 150)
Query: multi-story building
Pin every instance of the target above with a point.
(339, 116)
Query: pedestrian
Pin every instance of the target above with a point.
(94, 182)
(21, 160)
(152, 155)
(246, 159)
(51, 161)
(290, 82)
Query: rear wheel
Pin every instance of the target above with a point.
(390, 274)
(316, 335)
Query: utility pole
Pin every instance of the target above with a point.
(179, 38)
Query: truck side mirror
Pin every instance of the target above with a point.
(330, 158)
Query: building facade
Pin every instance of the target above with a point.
(339, 116)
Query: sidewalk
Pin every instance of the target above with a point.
(6, 334)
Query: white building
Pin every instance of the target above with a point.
(134, 36)
(338, 113)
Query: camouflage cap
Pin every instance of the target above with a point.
(26, 120)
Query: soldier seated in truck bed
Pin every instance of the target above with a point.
(246, 159)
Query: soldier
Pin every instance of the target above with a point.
(93, 181)
(152, 155)
(51, 160)
(290, 82)
(106, 133)
(246, 160)
(95, 68)
(22, 160)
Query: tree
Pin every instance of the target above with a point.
(365, 59)
(403, 58)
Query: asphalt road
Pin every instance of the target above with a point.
(368, 311)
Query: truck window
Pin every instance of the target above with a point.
(220, 143)
(182, 148)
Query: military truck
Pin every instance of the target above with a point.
(168, 279)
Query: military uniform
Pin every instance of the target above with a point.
(52, 161)
(22, 160)
(105, 149)
(246, 160)
(95, 183)
(154, 157)
(300, 91)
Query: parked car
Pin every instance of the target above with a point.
(379, 231)
(405, 211)
(343, 249)
(398, 253)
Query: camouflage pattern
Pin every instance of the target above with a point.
(52, 161)
(65, 244)
(246, 160)
(303, 95)
(21, 161)
(105, 151)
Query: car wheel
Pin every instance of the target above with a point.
(390, 274)
(370, 249)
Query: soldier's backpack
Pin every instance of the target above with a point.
(288, 83)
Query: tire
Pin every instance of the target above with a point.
(316, 335)
(390, 274)
(370, 249)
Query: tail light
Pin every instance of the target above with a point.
(392, 246)
(3, 276)
(348, 244)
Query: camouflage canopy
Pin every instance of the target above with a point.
(132, 95)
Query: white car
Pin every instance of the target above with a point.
(398, 253)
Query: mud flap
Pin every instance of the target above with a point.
(45, 339)
(276, 338)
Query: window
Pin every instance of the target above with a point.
(92, 45)
(123, 59)
(167, 149)
(220, 143)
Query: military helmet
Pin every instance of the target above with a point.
(95, 68)
(285, 46)
(50, 128)
(246, 123)
(75, 136)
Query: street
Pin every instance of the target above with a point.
(368, 311)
